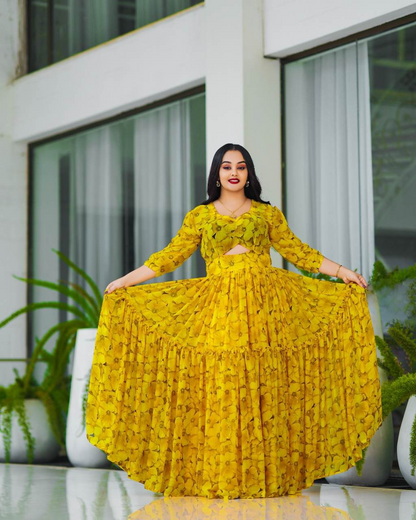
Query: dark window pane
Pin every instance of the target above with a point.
(126, 16)
(393, 133)
(376, 119)
(38, 34)
(61, 28)
(110, 196)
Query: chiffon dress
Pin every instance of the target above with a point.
(252, 381)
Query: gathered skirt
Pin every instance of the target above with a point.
(251, 382)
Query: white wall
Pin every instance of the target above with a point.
(243, 89)
(217, 43)
(296, 25)
(193, 47)
(135, 69)
(13, 193)
(221, 44)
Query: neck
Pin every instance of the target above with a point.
(232, 200)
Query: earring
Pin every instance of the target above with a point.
(218, 183)
(247, 183)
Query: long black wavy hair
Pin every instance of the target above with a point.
(252, 191)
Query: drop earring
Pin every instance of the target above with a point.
(218, 183)
(247, 183)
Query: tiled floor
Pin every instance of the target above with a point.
(34, 492)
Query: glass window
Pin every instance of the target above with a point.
(111, 196)
(350, 157)
(62, 28)
(38, 51)
(392, 62)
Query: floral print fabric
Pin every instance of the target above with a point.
(250, 382)
(258, 229)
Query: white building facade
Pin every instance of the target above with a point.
(104, 150)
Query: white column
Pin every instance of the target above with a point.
(13, 192)
(243, 90)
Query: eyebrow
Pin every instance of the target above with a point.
(230, 162)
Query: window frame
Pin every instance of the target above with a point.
(49, 24)
(353, 38)
(30, 196)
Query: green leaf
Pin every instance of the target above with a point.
(63, 347)
(84, 293)
(394, 393)
(63, 290)
(55, 419)
(43, 305)
(40, 344)
(390, 363)
(84, 275)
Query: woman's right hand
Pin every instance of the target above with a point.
(116, 284)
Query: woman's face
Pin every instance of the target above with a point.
(233, 166)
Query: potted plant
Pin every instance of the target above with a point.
(26, 401)
(401, 384)
(79, 450)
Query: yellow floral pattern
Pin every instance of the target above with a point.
(250, 382)
(258, 229)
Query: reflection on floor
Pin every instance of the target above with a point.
(32, 492)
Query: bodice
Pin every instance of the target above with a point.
(261, 227)
(220, 233)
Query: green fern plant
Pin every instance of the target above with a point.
(401, 383)
(85, 400)
(54, 388)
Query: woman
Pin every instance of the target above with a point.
(250, 382)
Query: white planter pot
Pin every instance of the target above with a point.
(79, 450)
(380, 453)
(403, 442)
(46, 446)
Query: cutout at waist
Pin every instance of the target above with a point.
(239, 248)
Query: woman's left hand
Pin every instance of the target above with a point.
(350, 276)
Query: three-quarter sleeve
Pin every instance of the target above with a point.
(285, 242)
(181, 247)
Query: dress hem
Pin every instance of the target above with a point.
(173, 342)
(350, 464)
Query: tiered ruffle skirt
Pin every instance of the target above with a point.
(251, 382)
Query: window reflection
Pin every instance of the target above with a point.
(62, 28)
(110, 196)
(392, 61)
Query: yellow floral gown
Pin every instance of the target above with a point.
(250, 382)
